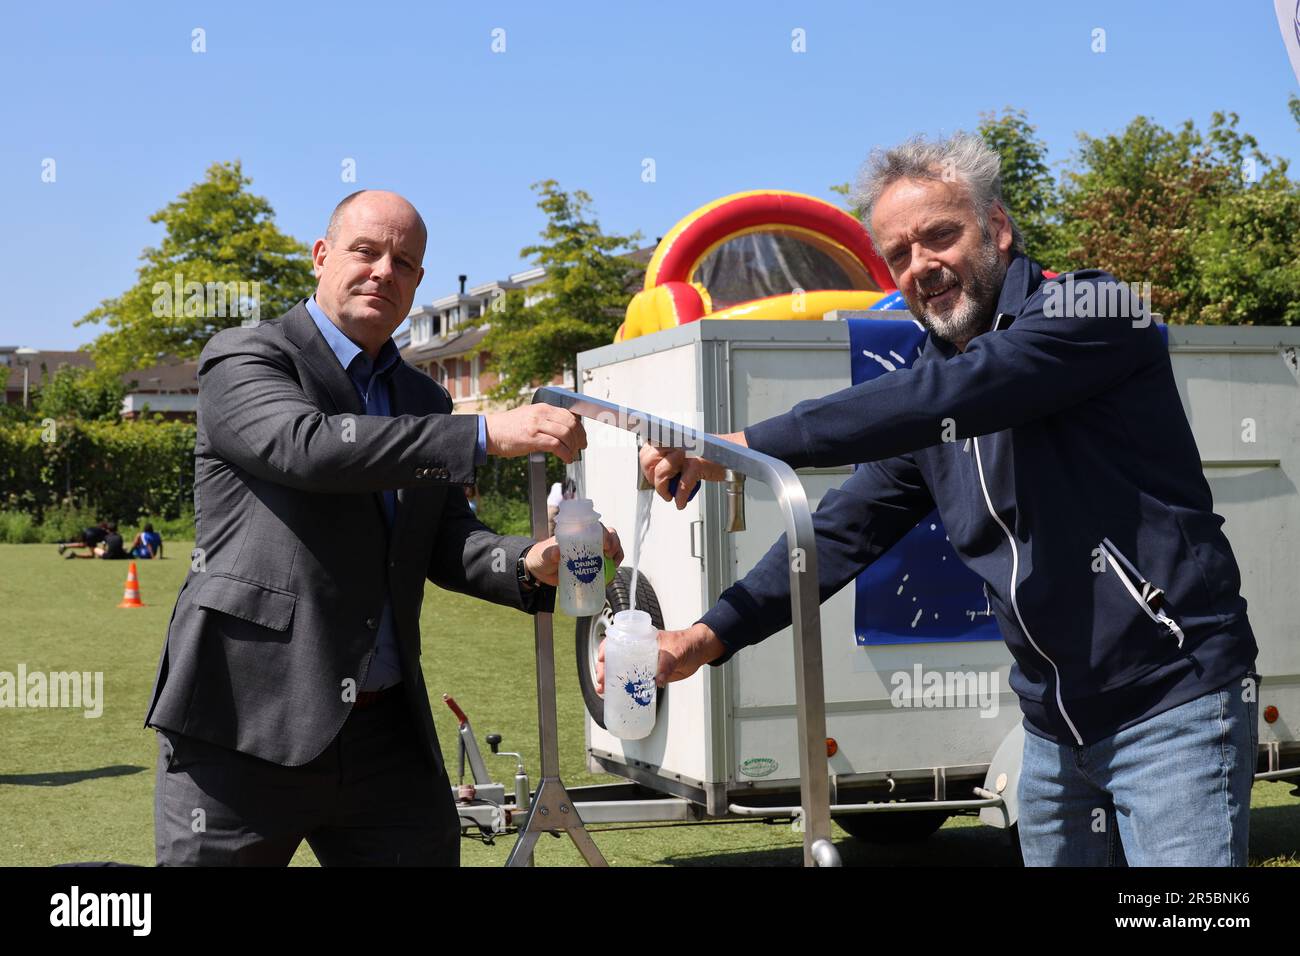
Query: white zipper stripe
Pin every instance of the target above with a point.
(1108, 545)
(1015, 573)
(1160, 617)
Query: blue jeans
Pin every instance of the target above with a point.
(1173, 790)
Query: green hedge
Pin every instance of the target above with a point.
(503, 493)
(505, 515)
(63, 472)
(58, 478)
(508, 477)
(17, 527)
(65, 523)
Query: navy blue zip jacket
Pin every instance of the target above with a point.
(1062, 463)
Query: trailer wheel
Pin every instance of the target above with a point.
(590, 631)
(892, 828)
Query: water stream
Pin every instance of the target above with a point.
(644, 497)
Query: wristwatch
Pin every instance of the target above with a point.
(526, 580)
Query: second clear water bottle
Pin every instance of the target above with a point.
(631, 658)
(581, 591)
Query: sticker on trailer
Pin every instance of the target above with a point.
(759, 767)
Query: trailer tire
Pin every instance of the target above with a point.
(590, 630)
(892, 828)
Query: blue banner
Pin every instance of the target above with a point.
(919, 590)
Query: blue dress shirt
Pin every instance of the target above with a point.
(371, 379)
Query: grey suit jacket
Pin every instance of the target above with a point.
(279, 613)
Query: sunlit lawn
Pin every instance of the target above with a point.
(76, 789)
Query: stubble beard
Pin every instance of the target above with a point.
(973, 312)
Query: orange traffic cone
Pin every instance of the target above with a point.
(132, 596)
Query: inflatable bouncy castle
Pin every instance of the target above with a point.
(765, 254)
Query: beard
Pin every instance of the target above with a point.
(971, 312)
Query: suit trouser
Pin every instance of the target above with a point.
(370, 798)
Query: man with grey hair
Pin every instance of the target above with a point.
(1050, 436)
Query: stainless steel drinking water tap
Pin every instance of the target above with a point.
(735, 501)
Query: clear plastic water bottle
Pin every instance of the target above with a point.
(631, 659)
(582, 558)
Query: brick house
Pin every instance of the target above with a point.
(437, 341)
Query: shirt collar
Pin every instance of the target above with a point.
(347, 351)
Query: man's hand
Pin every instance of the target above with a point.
(535, 428)
(659, 465)
(543, 558)
(681, 654)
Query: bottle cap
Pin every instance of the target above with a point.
(632, 624)
(576, 511)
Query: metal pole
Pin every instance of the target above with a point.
(543, 629)
(552, 809)
(805, 598)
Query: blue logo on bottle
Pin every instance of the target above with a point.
(585, 567)
(639, 685)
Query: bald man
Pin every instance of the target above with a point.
(329, 485)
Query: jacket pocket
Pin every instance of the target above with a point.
(248, 601)
(1149, 598)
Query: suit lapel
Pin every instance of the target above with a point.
(300, 328)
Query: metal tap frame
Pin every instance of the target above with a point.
(553, 810)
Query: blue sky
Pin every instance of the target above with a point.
(583, 93)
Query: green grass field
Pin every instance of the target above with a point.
(74, 789)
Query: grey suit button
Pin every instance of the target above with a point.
(443, 473)
(422, 473)
(372, 623)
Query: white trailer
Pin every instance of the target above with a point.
(726, 741)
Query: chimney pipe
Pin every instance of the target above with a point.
(462, 283)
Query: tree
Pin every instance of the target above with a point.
(1247, 257)
(221, 261)
(1029, 190)
(77, 392)
(1208, 220)
(537, 334)
(846, 191)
